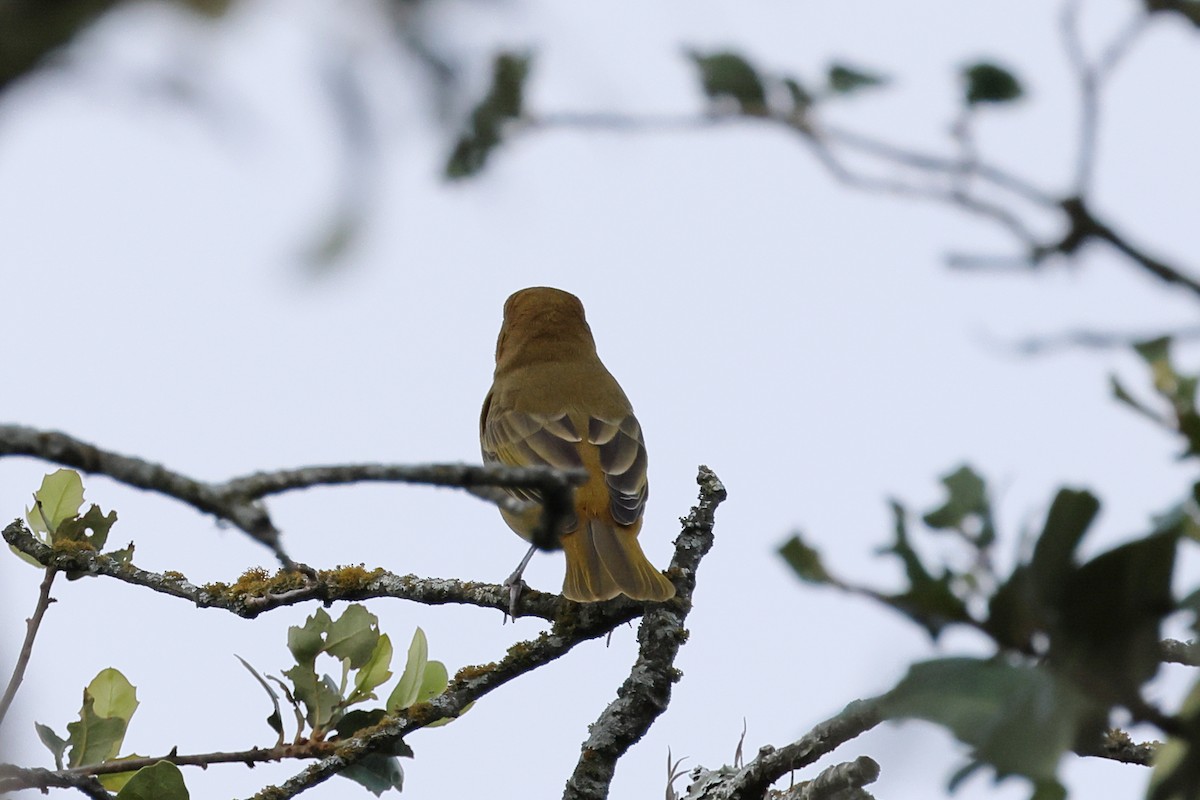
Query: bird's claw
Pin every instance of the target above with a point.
(515, 586)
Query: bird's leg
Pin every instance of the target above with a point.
(514, 583)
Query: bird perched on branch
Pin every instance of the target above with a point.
(553, 403)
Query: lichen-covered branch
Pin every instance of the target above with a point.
(646, 693)
(256, 591)
(751, 781)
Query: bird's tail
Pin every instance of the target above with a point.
(604, 560)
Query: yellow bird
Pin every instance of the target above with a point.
(553, 403)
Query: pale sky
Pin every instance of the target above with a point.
(805, 341)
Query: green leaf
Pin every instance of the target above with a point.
(433, 682)
(1176, 772)
(375, 672)
(409, 685)
(308, 641)
(967, 500)
(116, 781)
(1018, 719)
(114, 695)
(504, 102)
(805, 560)
(274, 719)
(60, 496)
(75, 529)
(1109, 614)
(986, 82)
(319, 696)
(161, 781)
(843, 79)
(55, 743)
(728, 75)
(377, 773)
(353, 636)
(93, 739)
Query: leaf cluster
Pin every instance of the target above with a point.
(1073, 638)
(56, 521)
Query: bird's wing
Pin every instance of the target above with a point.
(623, 460)
(521, 439)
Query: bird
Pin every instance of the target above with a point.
(553, 403)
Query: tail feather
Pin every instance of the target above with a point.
(604, 560)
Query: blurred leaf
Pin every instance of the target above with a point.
(1123, 395)
(728, 75)
(1178, 389)
(161, 781)
(1018, 719)
(1176, 771)
(60, 495)
(377, 773)
(1015, 612)
(967, 499)
(409, 685)
(804, 560)
(55, 743)
(503, 102)
(802, 99)
(353, 635)
(1054, 554)
(843, 79)
(929, 601)
(990, 83)
(1154, 351)
(1109, 613)
(1188, 9)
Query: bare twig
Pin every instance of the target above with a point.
(646, 693)
(1090, 340)
(31, 628)
(13, 777)
(236, 501)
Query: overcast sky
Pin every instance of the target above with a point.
(806, 342)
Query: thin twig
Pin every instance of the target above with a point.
(236, 500)
(31, 628)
